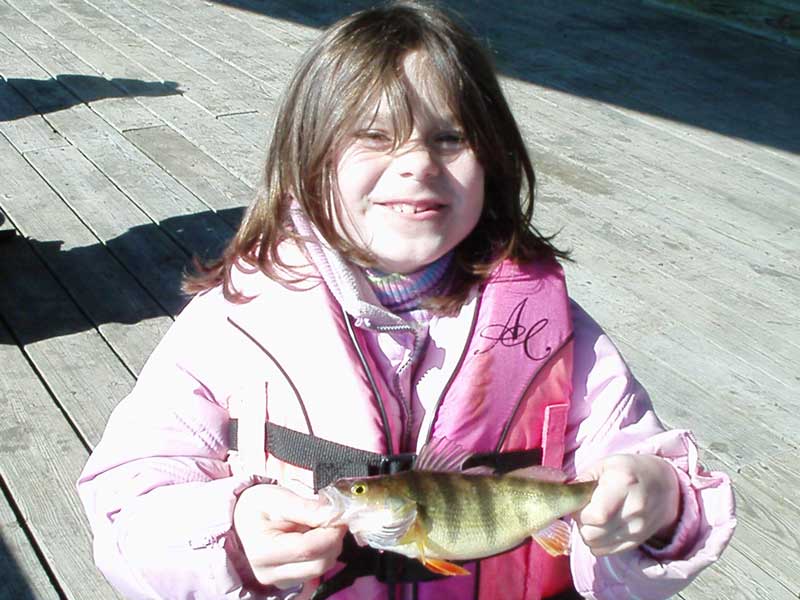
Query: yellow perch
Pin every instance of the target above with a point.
(439, 516)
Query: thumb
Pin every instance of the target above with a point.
(280, 504)
(312, 512)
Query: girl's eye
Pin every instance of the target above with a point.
(374, 139)
(449, 141)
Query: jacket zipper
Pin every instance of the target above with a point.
(406, 407)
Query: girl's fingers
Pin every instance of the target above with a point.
(323, 543)
(279, 504)
(290, 574)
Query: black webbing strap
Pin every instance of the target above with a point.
(331, 461)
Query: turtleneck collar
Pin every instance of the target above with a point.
(402, 293)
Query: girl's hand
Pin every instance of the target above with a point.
(637, 497)
(282, 536)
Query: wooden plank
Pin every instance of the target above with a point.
(22, 576)
(138, 66)
(201, 127)
(714, 415)
(768, 505)
(587, 44)
(277, 21)
(256, 126)
(649, 160)
(147, 252)
(116, 304)
(577, 51)
(664, 234)
(195, 170)
(7, 228)
(84, 82)
(779, 21)
(82, 372)
(164, 200)
(657, 272)
(728, 394)
(39, 463)
(735, 577)
(19, 121)
(777, 474)
(211, 32)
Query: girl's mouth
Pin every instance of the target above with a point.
(413, 208)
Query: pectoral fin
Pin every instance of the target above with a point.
(443, 567)
(554, 538)
(418, 535)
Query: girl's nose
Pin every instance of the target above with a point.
(416, 160)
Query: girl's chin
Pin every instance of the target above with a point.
(405, 264)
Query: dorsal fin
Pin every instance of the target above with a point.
(441, 455)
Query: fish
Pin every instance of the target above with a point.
(438, 514)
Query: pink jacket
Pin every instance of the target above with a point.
(160, 495)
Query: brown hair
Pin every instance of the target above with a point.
(342, 75)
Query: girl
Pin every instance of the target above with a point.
(385, 289)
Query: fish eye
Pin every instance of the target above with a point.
(359, 489)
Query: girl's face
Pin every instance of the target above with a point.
(412, 205)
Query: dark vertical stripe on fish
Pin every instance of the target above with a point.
(521, 507)
(487, 506)
(416, 487)
(453, 503)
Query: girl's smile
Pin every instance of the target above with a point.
(409, 204)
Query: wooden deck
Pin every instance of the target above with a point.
(131, 135)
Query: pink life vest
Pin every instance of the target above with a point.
(503, 383)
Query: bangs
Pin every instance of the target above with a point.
(382, 91)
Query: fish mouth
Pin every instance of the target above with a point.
(336, 506)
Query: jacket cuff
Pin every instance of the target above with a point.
(688, 526)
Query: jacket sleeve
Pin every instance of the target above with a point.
(612, 414)
(157, 490)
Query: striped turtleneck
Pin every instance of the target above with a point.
(401, 293)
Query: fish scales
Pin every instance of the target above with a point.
(460, 516)
(464, 512)
(488, 507)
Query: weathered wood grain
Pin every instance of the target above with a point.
(767, 531)
(40, 460)
(773, 20)
(145, 184)
(266, 69)
(147, 252)
(216, 187)
(83, 373)
(128, 318)
(68, 71)
(735, 577)
(22, 576)
(101, 39)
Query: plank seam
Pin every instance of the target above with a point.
(23, 524)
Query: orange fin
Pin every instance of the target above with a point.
(443, 567)
(554, 538)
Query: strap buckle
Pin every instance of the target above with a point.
(396, 463)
